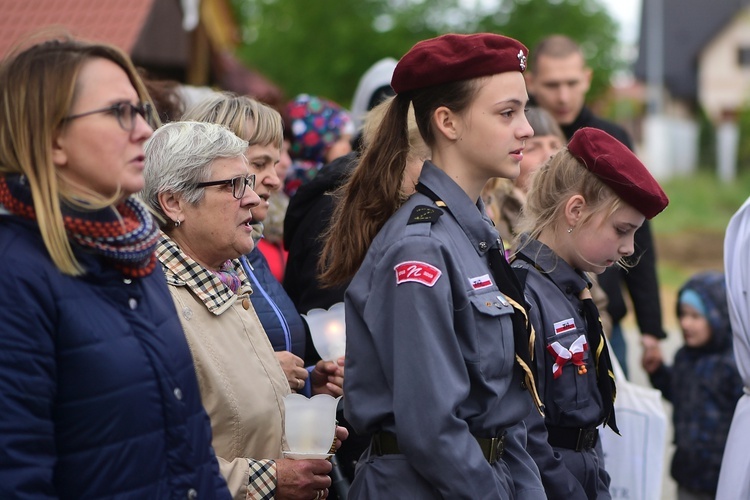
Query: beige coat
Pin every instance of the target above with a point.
(241, 382)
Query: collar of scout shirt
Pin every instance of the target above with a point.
(480, 231)
(567, 279)
(181, 270)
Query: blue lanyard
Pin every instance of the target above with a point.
(276, 310)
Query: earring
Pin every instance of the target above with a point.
(177, 223)
(570, 230)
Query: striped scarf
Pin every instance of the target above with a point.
(125, 234)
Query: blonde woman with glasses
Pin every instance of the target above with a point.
(98, 396)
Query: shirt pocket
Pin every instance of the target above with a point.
(570, 390)
(494, 332)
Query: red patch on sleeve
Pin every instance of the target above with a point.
(420, 272)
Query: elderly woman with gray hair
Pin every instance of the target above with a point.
(198, 180)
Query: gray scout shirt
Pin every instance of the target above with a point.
(430, 358)
(569, 392)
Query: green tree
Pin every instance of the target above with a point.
(323, 46)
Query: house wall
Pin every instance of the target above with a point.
(723, 85)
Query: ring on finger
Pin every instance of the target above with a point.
(319, 495)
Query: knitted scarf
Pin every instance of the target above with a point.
(127, 240)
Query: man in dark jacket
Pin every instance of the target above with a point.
(558, 81)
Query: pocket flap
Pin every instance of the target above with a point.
(491, 303)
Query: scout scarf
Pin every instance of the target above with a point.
(605, 377)
(126, 234)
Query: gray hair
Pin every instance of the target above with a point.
(544, 123)
(179, 156)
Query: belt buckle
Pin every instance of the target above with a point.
(497, 448)
(586, 439)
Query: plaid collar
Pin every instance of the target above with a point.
(181, 270)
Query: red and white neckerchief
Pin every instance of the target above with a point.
(573, 355)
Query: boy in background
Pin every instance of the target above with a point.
(703, 385)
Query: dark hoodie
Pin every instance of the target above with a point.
(306, 219)
(703, 385)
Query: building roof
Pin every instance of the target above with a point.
(151, 31)
(118, 22)
(689, 25)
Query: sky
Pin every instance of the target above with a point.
(628, 15)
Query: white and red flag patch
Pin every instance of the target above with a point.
(480, 282)
(419, 272)
(564, 356)
(565, 325)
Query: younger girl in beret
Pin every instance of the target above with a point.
(581, 213)
(436, 330)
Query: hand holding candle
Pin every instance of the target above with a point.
(309, 425)
(328, 377)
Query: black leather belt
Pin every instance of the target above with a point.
(385, 443)
(572, 438)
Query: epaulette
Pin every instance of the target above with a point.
(424, 213)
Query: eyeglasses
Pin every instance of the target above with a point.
(239, 184)
(125, 113)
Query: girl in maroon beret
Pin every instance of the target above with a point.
(437, 360)
(580, 216)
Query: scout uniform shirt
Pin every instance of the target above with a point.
(430, 356)
(566, 373)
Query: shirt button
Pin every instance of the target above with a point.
(132, 303)
(192, 494)
(177, 393)
(483, 245)
(127, 281)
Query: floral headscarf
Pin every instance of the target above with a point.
(316, 124)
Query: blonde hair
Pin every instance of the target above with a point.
(552, 186)
(249, 119)
(417, 147)
(38, 86)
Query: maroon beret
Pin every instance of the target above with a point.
(619, 168)
(451, 57)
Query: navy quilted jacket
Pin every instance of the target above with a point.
(281, 321)
(98, 395)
